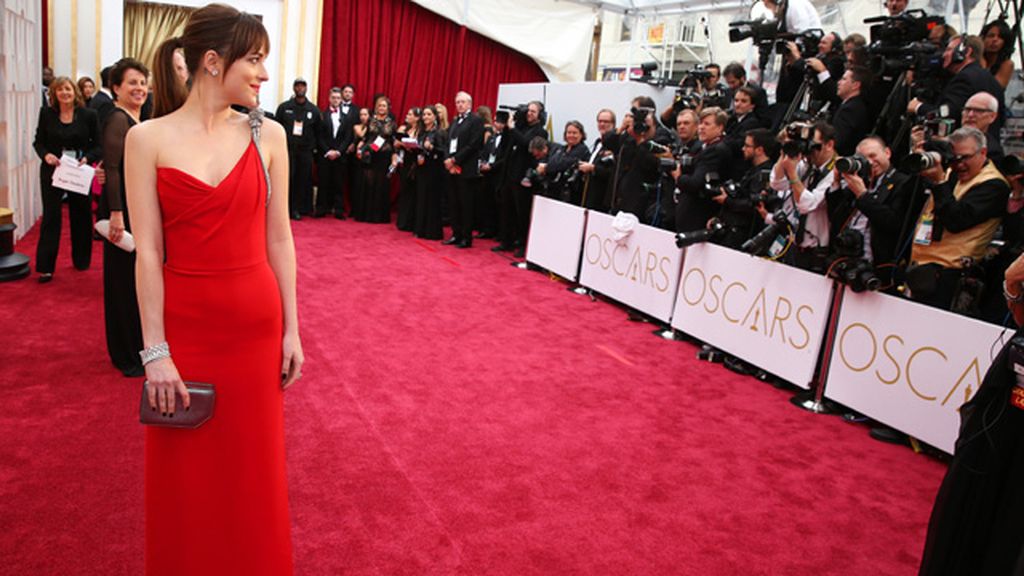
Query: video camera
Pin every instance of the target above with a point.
(519, 114)
(806, 42)
(762, 31)
(900, 43)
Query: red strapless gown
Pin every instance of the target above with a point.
(217, 496)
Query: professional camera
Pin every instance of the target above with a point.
(935, 153)
(806, 42)
(760, 243)
(760, 30)
(855, 164)
(532, 179)
(910, 26)
(799, 139)
(938, 124)
(900, 43)
(848, 265)
(519, 114)
(640, 114)
(715, 230)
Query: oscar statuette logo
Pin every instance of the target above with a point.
(637, 264)
(754, 308)
(891, 361)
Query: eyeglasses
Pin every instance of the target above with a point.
(977, 110)
(962, 158)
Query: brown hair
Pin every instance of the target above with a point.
(721, 118)
(81, 84)
(228, 32)
(52, 90)
(121, 68)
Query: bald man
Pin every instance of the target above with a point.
(980, 111)
(466, 140)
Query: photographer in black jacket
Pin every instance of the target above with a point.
(711, 165)
(599, 169)
(739, 205)
(517, 201)
(637, 164)
(562, 165)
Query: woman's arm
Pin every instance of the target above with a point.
(140, 161)
(40, 142)
(281, 248)
(1005, 73)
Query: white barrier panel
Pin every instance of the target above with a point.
(908, 365)
(641, 272)
(766, 313)
(556, 236)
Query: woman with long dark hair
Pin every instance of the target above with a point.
(362, 165)
(207, 190)
(998, 41)
(430, 177)
(66, 129)
(380, 135)
(129, 83)
(405, 162)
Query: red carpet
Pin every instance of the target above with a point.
(460, 416)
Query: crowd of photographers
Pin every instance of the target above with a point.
(879, 163)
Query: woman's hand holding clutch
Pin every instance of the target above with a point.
(291, 368)
(162, 383)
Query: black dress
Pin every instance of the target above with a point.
(360, 176)
(82, 137)
(430, 185)
(378, 187)
(406, 219)
(120, 302)
(975, 527)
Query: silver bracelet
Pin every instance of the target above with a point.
(155, 352)
(1010, 297)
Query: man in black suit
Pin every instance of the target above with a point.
(851, 119)
(599, 169)
(961, 59)
(877, 208)
(301, 121)
(466, 139)
(742, 120)
(335, 138)
(695, 206)
(492, 168)
(735, 76)
(517, 201)
(102, 101)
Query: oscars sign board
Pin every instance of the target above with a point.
(642, 271)
(909, 366)
(556, 236)
(765, 313)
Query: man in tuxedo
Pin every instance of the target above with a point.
(520, 199)
(695, 206)
(335, 138)
(961, 59)
(742, 120)
(851, 119)
(301, 121)
(877, 208)
(600, 167)
(466, 139)
(492, 168)
(103, 101)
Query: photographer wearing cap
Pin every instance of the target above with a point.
(958, 220)
(871, 198)
(803, 175)
(961, 59)
(739, 212)
(711, 166)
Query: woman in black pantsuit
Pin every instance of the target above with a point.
(379, 137)
(65, 127)
(430, 177)
(120, 302)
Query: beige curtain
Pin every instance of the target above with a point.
(147, 25)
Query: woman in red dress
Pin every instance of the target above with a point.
(216, 287)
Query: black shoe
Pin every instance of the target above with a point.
(519, 253)
(45, 277)
(450, 241)
(339, 215)
(502, 248)
(484, 235)
(886, 434)
(296, 216)
(465, 244)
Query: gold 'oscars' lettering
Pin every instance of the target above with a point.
(686, 283)
(606, 254)
(650, 266)
(974, 369)
(725, 310)
(842, 346)
(888, 354)
(910, 362)
(714, 294)
(615, 260)
(591, 245)
(635, 268)
(803, 327)
(759, 307)
(780, 319)
(664, 274)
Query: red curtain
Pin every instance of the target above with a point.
(413, 56)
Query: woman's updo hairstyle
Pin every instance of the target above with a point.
(230, 33)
